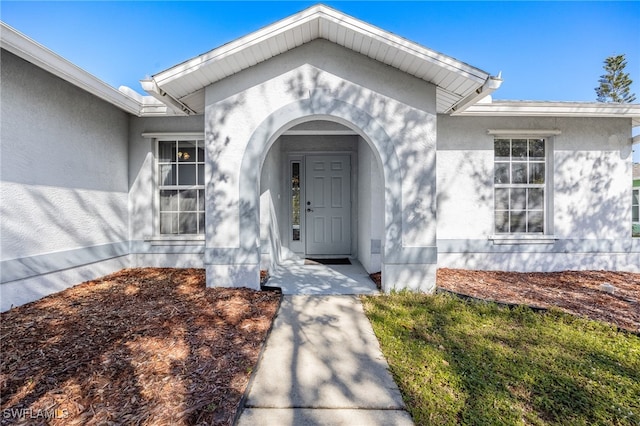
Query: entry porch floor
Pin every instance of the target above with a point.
(293, 276)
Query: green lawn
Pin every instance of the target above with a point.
(460, 362)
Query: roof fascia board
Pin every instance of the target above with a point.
(491, 85)
(235, 45)
(319, 13)
(174, 105)
(556, 109)
(401, 43)
(149, 106)
(408, 46)
(31, 51)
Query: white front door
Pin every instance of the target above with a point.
(328, 204)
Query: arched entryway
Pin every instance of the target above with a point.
(369, 239)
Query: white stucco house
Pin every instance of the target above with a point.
(319, 135)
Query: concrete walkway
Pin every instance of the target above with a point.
(322, 365)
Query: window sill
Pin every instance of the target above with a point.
(176, 240)
(523, 239)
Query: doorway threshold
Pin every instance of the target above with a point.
(327, 261)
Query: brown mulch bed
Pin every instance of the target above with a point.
(141, 346)
(577, 292)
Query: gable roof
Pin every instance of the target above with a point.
(458, 84)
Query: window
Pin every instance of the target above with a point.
(181, 186)
(295, 200)
(635, 213)
(520, 185)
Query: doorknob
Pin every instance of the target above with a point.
(309, 210)
(308, 203)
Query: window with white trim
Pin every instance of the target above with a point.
(181, 187)
(520, 192)
(635, 212)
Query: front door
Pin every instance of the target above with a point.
(328, 204)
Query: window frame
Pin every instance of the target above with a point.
(297, 246)
(546, 236)
(158, 186)
(513, 163)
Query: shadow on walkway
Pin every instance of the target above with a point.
(294, 277)
(322, 365)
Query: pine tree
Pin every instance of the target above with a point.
(615, 84)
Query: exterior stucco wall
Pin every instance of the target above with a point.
(64, 184)
(370, 210)
(78, 185)
(273, 216)
(393, 112)
(591, 163)
(147, 248)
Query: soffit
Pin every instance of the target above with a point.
(455, 80)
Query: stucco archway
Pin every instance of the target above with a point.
(318, 107)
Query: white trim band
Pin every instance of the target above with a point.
(176, 136)
(524, 132)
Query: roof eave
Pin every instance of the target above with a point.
(555, 109)
(220, 52)
(152, 88)
(317, 12)
(22, 46)
(319, 18)
(491, 85)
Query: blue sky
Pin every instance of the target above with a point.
(545, 50)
